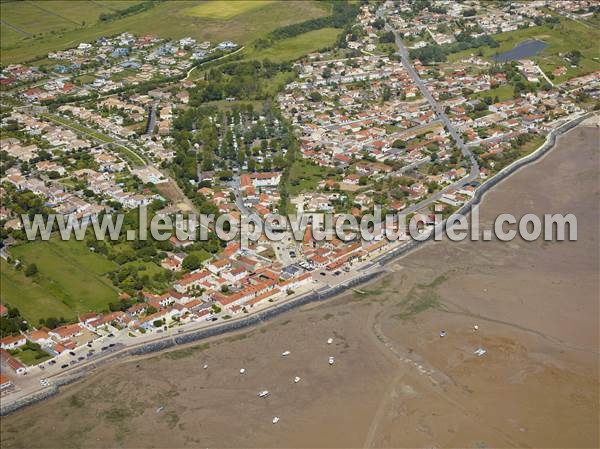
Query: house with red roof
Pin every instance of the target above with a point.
(8, 360)
(13, 341)
(5, 383)
(63, 333)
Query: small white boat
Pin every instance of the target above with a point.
(476, 327)
(275, 419)
(285, 353)
(331, 360)
(329, 341)
(442, 333)
(263, 394)
(296, 379)
(160, 409)
(243, 371)
(205, 366)
(479, 352)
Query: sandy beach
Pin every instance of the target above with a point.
(395, 381)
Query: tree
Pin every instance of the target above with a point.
(31, 270)
(315, 96)
(574, 56)
(52, 322)
(387, 38)
(398, 143)
(191, 262)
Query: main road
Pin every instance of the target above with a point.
(435, 106)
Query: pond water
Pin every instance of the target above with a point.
(525, 49)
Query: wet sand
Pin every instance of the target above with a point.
(395, 382)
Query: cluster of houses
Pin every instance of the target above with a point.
(360, 117)
(109, 64)
(347, 120)
(441, 21)
(43, 176)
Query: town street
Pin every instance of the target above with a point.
(439, 111)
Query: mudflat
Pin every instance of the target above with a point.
(395, 382)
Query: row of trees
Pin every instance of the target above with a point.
(133, 9)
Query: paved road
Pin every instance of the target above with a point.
(239, 200)
(151, 119)
(189, 72)
(437, 108)
(94, 134)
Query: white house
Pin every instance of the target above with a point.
(12, 342)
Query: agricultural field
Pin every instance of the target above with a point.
(70, 279)
(241, 22)
(226, 9)
(38, 18)
(562, 38)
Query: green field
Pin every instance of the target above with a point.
(41, 18)
(566, 36)
(298, 46)
(305, 176)
(31, 357)
(221, 9)
(171, 19)
(70, 279)
(504, 93)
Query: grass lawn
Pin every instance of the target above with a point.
(220, 9)
(504, 93)
(86, 79)
(30, 357)
(202, 254)
(70, 279)
(568, 35)
(305, 176)
(532, 145)
(149, 269)
(171, 19)
(278, 82)
(123, 74)
(295, 47)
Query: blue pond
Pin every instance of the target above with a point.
(525, 49)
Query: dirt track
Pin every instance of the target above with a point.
(395, 382)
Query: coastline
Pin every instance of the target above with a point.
(319, 295)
